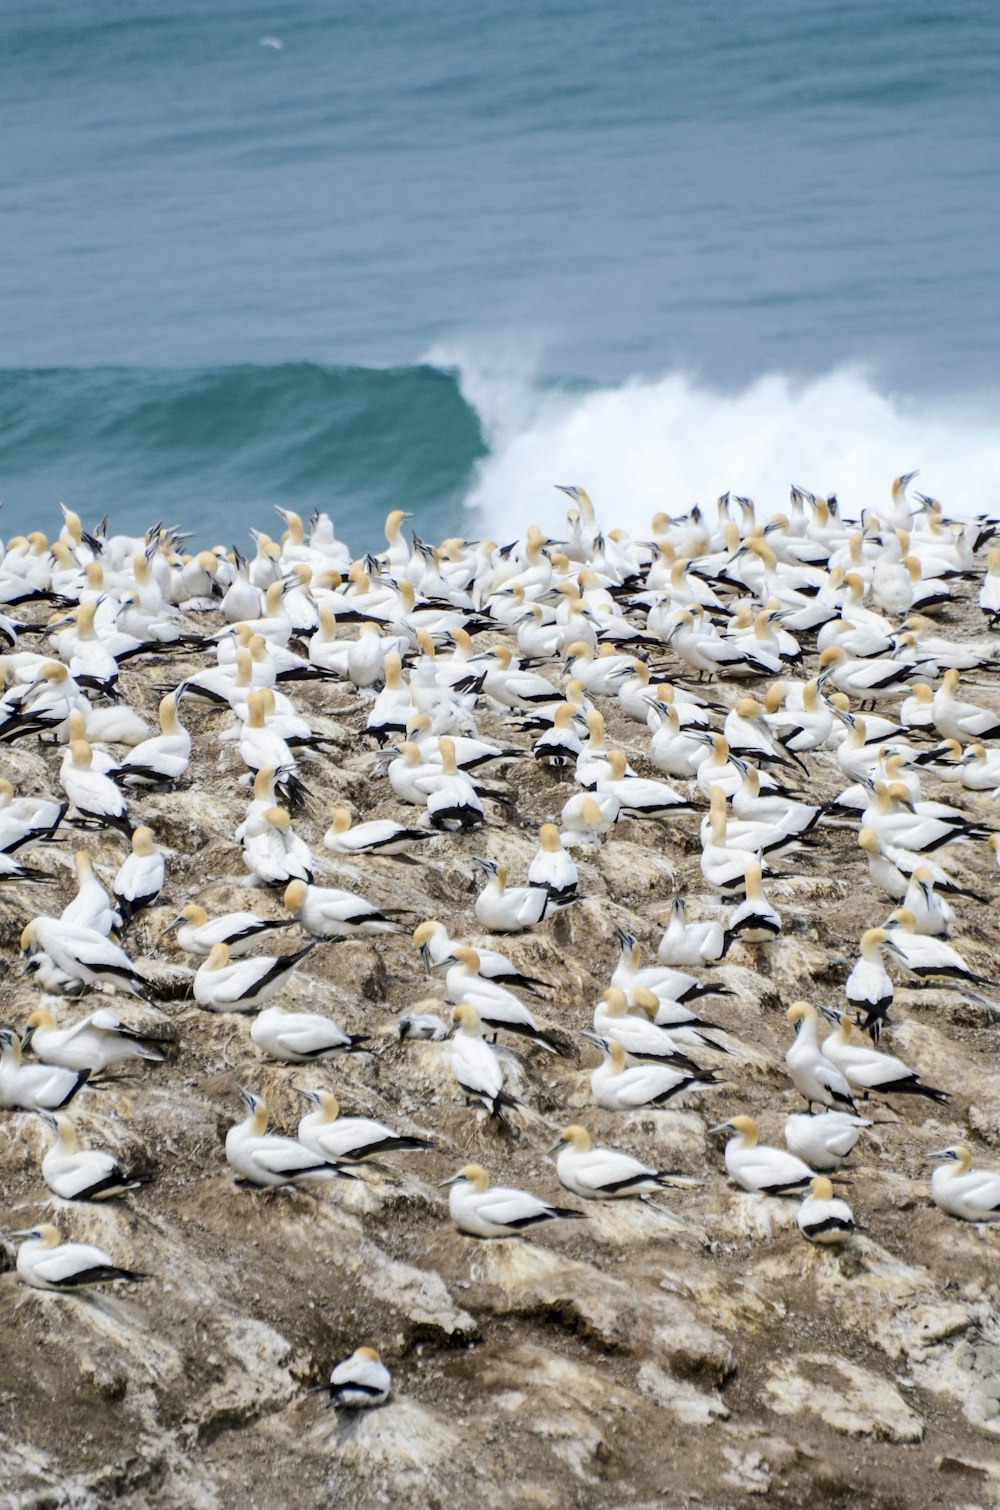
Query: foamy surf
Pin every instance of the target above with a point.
(668, 442)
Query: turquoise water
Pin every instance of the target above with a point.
(443, 257)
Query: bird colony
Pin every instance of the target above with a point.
(536, 999)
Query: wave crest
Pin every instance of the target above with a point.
(669, 442)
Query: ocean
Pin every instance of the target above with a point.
(443, 257)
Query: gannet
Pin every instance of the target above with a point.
(268, 1159)
(83, 955)
(822, 1218)
(861, 678)
(358, 1383)
(618, 1088)
(684, 1026)
(162, 760)
(272, 851)
(379, 837)
(801, 729)
(559, 744)
(931, 914)
(75, 1173)
(665, 982)
(92, 1044)
(752, 804)
(93, 794)
(989, 592)
(329, 913)
(553, 869)
(27, 818)
(260, 744)
(604, 1174)
(866, 1069)
(922, 955)
(704, 651)
(91, 907)
(196, 932)
(437, 948)
(637, 797)
(898, 822)
(868, 987)
(141, 876)
(750, 738)
(757, 1167)
(588, 818)
(813, 1076)
(892, 867)
(823, 1139)
(723, 864)
(638, 1035)
(481, 1210)
(242, 985)
(34, 1087)
(672, 749)
(453, 802)
(475, 1065)
(690, 943)
(354, 1139)
(754, 920)
(973, 1195)
(508, 909)
(47, 1264)
(956, 719)
(498, 1007)
(300, 1037)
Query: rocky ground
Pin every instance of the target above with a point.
(693, 1350)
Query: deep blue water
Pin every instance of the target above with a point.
(435, 254)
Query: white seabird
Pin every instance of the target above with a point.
(75, 1173)
(822, 1218)
(92, 794)
(604, 1174)
(823, 1139)
(379, 837)
(358, 1383)
(239, 931)
(427, 1027)
(553, 868)
(34, 1087)
(508, 909)
(619, 1089)
(243, 985)
(46, 1264)
(354, 1139)
(267, 1159)
(300, 1037)
(92, 1044)
(973, 1195)
(329, 913)
(91, 907)
(813, 1075)
(140, 879)
(498, 1008)
(481, 1210)
(83, 955)
(475, 1065)
(163, 759)
(759, 1168)
(866, 1069)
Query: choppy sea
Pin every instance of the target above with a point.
(442, 257)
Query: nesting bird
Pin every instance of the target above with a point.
(481, 1210)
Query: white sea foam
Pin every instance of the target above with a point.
(668, 442)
